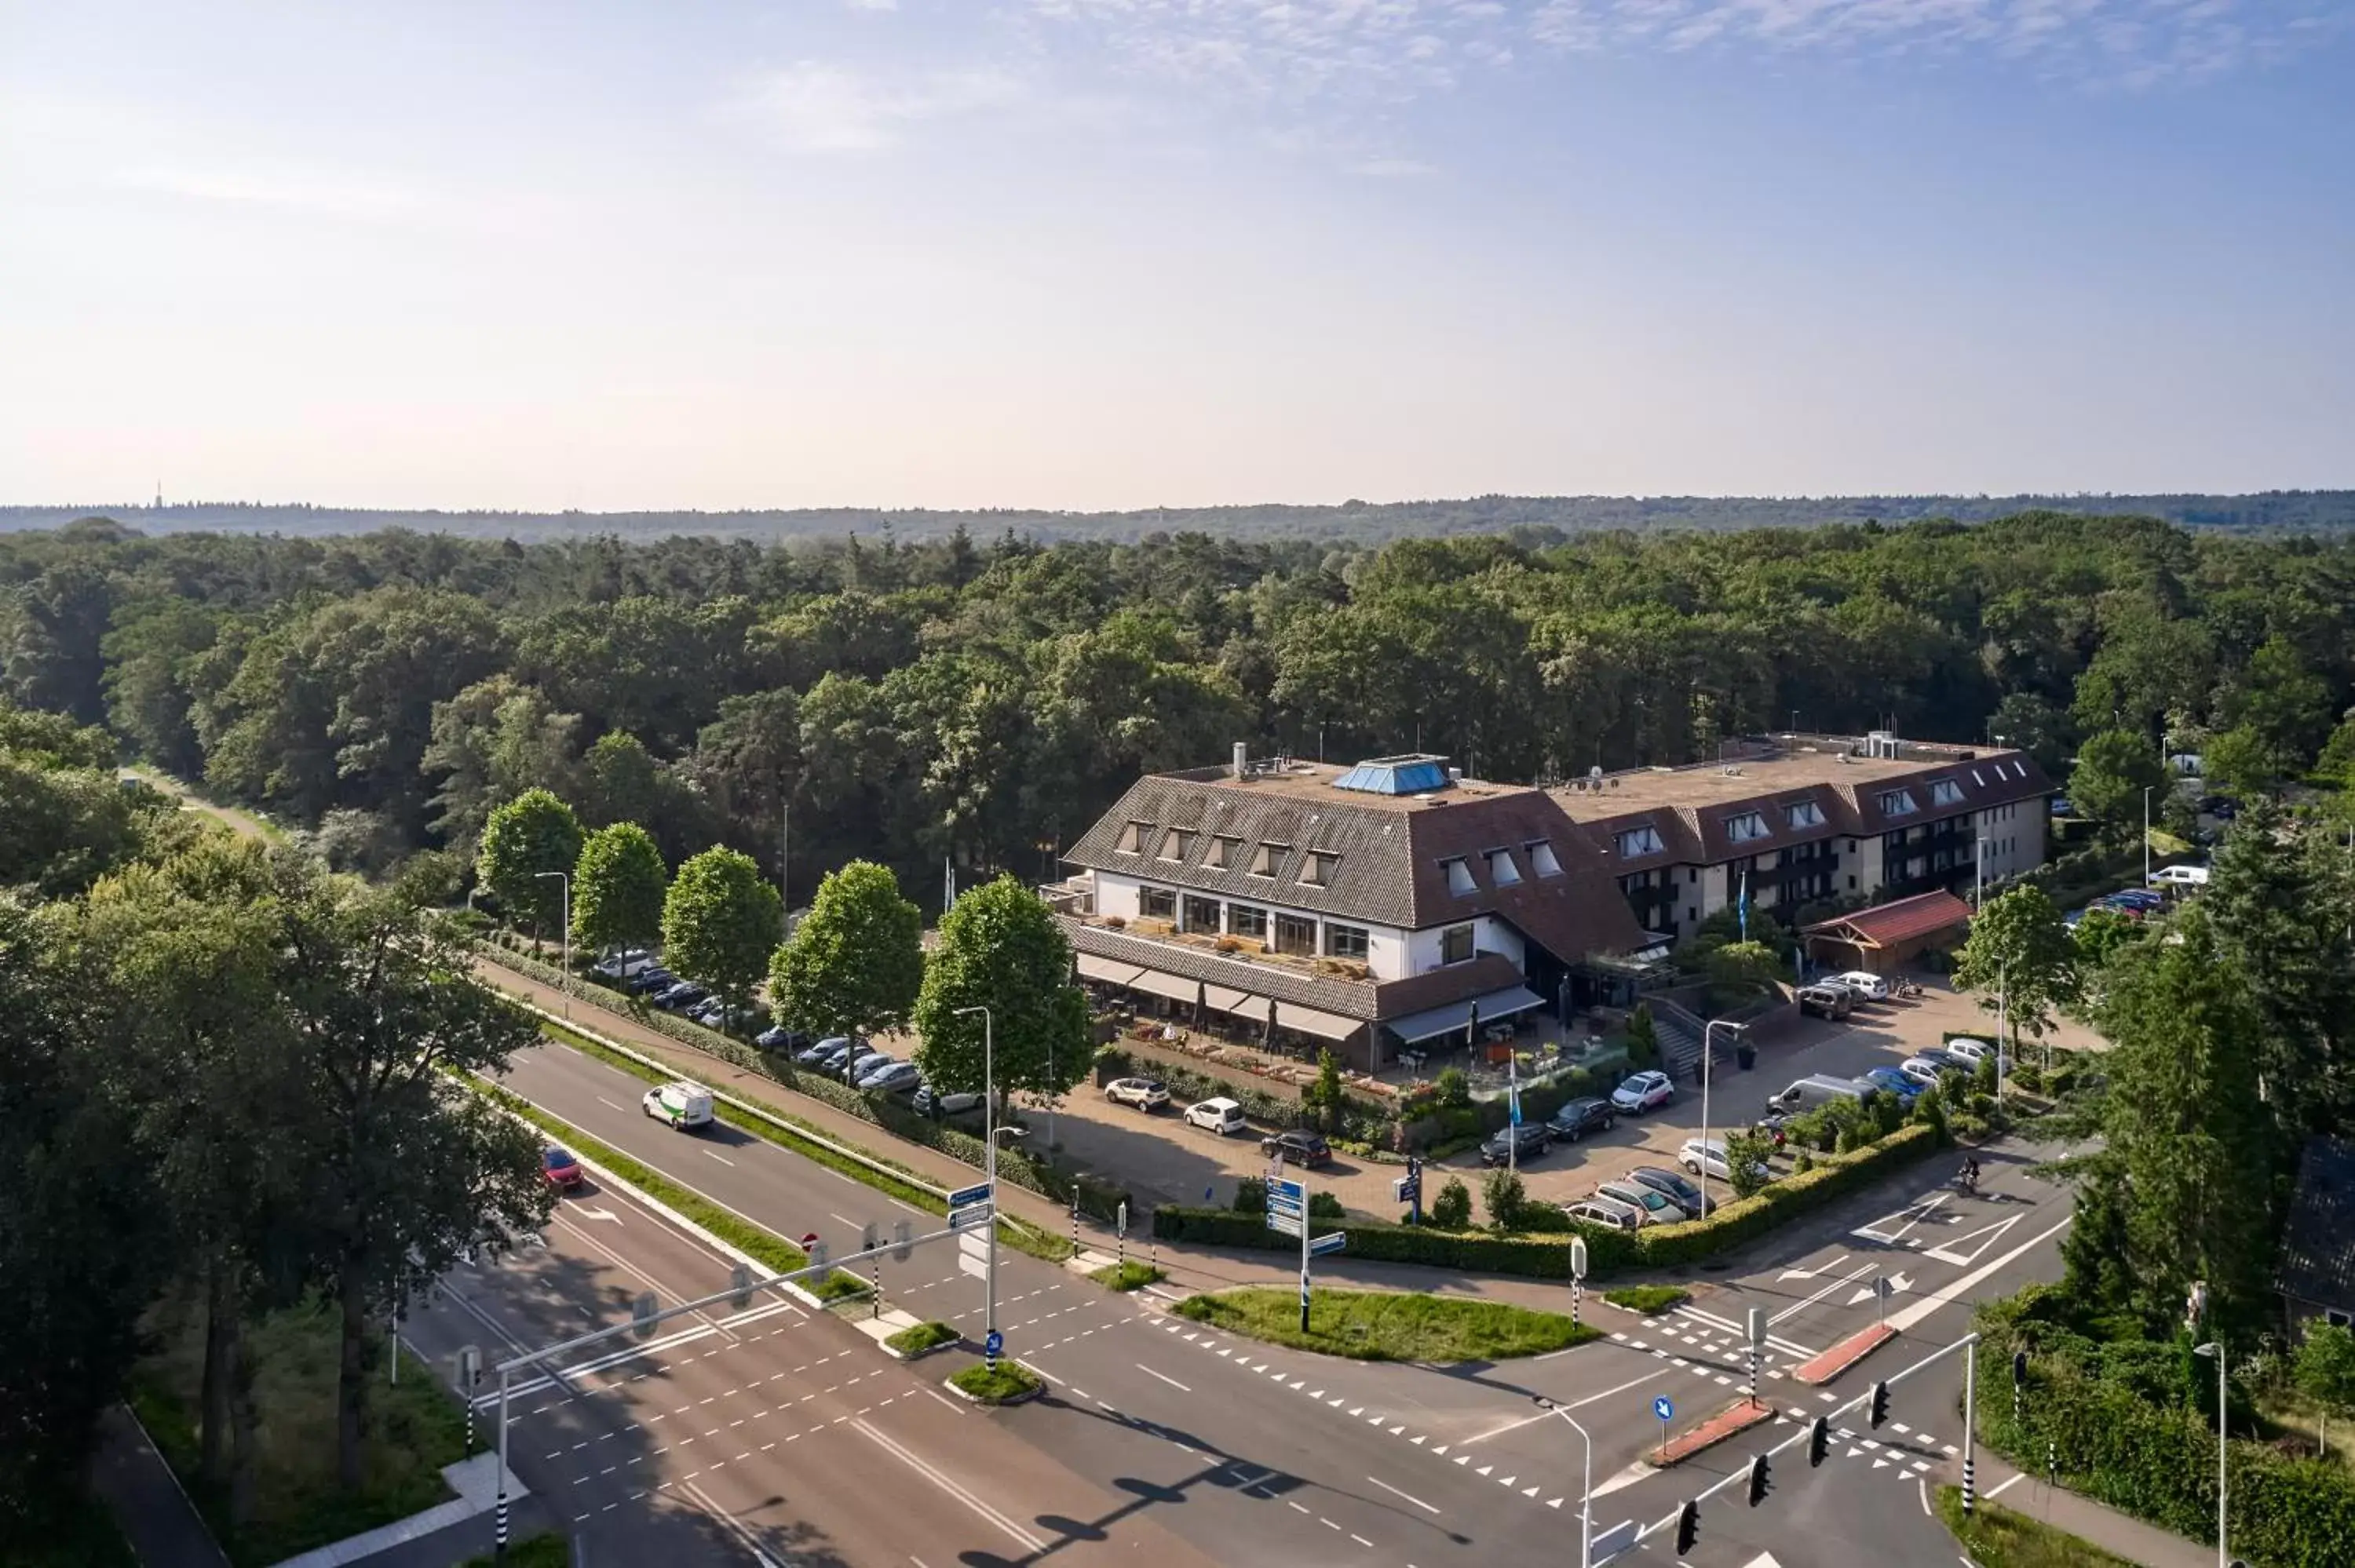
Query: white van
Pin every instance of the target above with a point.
(1808, 1094)
(1221, 1116)
(683, 1104)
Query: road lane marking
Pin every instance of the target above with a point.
(721, 1158)
(1956, 1289)
(1631, 1383)
(603, 1101)
(1418, 1501)
(2002, 1487)
(1172, 1381)
(1509, 1427)
(1849, 1278)
(839, 1219)
(1024, 1538)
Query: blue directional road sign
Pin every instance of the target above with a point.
(1287, 1204)
(1319, 1246)
(995, 1344)
(1662, 1408)
(963, 1195)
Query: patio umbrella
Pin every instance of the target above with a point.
(1201, 1001)
(1472, 1029)
(1267, 1035)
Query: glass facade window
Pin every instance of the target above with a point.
(1344, 942)
(1242, 920)
(1201, 914)
(1156, 903)
(1295, 935)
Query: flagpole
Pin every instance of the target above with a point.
(1513, 1112)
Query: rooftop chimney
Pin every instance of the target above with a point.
(1243, 759)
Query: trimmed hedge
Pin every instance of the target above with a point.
(1362, 1120)
(1608, 1251)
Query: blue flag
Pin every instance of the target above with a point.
(1742, 907)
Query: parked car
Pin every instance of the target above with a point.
(780, 1039)
(1889, 1081)
(1832, 1001)
(1865, 983)
(683, 993)
(1219, 1113)
(836, 1054)
(1145, 1094)
(1655, 1207)
(683, 1104)
(816, 1055)
(894, 1077)
(624, 964)
(1516, 1144)
(930, 1101)
(1605, 1212)
(1925, 1071)
(1707, 1157)
(1946, 1058)
(559, 1169)
(1808, 1093)
(1642, 1092)
(710, 1012)
(1675, 1188)
(1298, 1144)
(1576, 1118)
(862, 1062)
(650, 983)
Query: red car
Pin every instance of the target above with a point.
(560, 1170)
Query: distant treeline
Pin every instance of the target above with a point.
(1533, 520)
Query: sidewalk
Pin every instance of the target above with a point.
(2088, 1521)
(140, 1491)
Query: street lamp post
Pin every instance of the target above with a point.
(2146, 833)
(565, 879)
(989, 1160)
(2215, 1347)
(1708, 1031)
(1586, 1492)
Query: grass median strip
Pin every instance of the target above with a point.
(1389, 1326)
(1648, 1299)
(1129, 1275)
(1010, 1381)
(923, 1336)
(1996, 1537)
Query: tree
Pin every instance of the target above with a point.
(1745, 1163)
(404, 1165)
(2100, 933)
(2242, 762)
(618, 887)
(1451, 1210)
(2020, 957)
(532, 835)
(720, 922)
(491, 742)
(2113, 769)
(2325, 1371)
(1326, 1094)
(856, 961)
(1505, 1195)
(1000, 948)
(1643, 1037)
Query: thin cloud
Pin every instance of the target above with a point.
(816, 106)
(312, 192)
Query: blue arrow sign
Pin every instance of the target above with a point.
(963, 1195)
(1319, 1246)
(1662, 1408)
(994, 1344)
(1291, 1191)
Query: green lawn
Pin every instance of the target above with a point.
(1996, 1537)
(1129, 1275)
(1012, 1380)
(1389, 1326)
(923, 1336)
(1647, 1298)
(414, 1427)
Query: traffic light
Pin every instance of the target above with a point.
(1879, 1404)
(1761, 1482)
(1819, 1442)
(1688, 1528)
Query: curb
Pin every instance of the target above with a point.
(1027, 1395)
(1842, 1356)
(1703, 1437)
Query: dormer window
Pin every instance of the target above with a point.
(1749, 825)
(1977, 780)
(1177, 843)
(1541, 856)
(1226, 852)
(1134, 837)
(1640, 841)
(1805, 814)
(1459, 876)
(1267, 858)
(1898, 803)
(2019, 770)
(1945, 792)
(1317, 870)
(1501, 869)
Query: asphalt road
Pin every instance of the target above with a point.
(1252, 1454)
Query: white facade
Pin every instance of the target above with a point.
(1392, 953)
(2011, 838)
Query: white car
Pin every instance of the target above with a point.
(1604, 1210)
(1145, 1094)
(1869, 986)
(1708, 1158)
(1643, 1092)
(1971, 1050)
(1221, 1116)
(1923, 1070)
(683, 1104)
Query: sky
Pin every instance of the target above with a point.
(1109, 254)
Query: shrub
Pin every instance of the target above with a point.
(1010, 1381)
(1325, 1206)
(923, 1336)
(1129, 1275)
(1506, 1197)
(1451, 1210)
(1454, 1088)
(1643, 1038)
(1746, 1161)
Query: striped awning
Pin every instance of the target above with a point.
(1108, 972)
(1176, 987)
(1308, 1021)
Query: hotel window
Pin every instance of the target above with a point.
(1455, 945)
(1295, 935)
(1201, 914)
(1945, 792)
(1344, 942)
(1806, 814)
(1225, 852)
(1897, 804)
(1156, 903)
(1501, 869)
(1242, 920)
(1750, 825)
(1639, 842)
(1268, 858)
(1975, 779)
(1134, 836)
(1459, 876)
(1541, 856)
(1316, 871)
(1177, 843)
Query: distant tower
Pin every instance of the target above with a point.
(159, 496)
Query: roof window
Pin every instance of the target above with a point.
(1749, 825)
(1133, 838)
(1459, 875)
(1898, 803)
(1804, 814)
(1317, 870)
(1177, 843)
(1945, 792)
(1501, 869)
(1541, 856)
(1640, 841)
(1268, 857)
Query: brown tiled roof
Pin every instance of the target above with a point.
(1390, 853)
(1886, 924)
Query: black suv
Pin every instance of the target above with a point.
(1579, 1118)
(1518, 1144)
(1299, 1145)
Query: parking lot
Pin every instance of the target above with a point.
(1162, 1160)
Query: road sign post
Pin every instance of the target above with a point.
(1757, 1344)
(991, 1344)
(1301, 1187)
(1884, 1290)
(1663, 1409)
(470, 1372)
(1120, 1240)
(1577, 1276)
(870, 1241)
